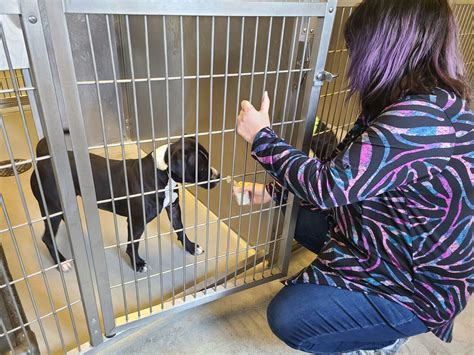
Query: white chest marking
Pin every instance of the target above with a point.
(161, 165)
(160, 153)
(174, 194)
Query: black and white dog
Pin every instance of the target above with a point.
(138, 222)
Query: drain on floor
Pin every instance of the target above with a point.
(8, 171)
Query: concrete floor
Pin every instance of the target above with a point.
(237, 325)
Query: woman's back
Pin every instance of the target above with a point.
(403, 224)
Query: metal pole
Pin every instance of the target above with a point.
(39, 57)
(310, 104)
(72, 107)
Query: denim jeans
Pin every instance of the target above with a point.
(324, 319)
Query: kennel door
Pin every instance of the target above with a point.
(179, 70)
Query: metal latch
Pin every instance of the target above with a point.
(324, 76)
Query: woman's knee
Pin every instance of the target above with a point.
(281, 319)
(276, 317)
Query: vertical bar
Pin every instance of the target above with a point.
(122, 148)
(255, 164)
(134, 256)
(32, 154)
(25, 277)
(140, 166)
(328, 94)
(224, 115)
(72, 107)
(57, 147)
(300, 78)
(15, 85)
(295, 109)
(165, 44)
(196, 155)
(303, 54)
(211, 80)
(33, 103)
(183, 188)
(7, 337)
(340, 72)
(297, 26)
(247, 148)
(237, 105)
(106, 150)
(152, 116)
(310, 104)
(277, 78)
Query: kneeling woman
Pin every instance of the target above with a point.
(396, 259)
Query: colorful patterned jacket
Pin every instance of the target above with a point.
(400, 190)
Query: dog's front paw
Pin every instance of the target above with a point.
(142, 266)
(199, 250)
(66, 266)
(194, 249)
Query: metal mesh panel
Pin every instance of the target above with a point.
(39, 301)
(465, 19)
(123, 84)
(188, 84)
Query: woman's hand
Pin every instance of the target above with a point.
(251, 121)
(258, 195)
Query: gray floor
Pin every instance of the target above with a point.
(237, 324)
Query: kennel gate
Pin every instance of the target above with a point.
(281, 47)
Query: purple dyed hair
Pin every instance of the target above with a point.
(397, 47)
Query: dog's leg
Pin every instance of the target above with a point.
(178, 225)
(133, 243)
(48, 241)
(52, 203)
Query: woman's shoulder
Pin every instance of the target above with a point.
(440, 102)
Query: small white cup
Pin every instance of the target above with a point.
(242, 200)
(236, 189)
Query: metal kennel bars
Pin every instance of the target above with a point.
(100, 71)
(118, 79)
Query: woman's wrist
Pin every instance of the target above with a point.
(265, 131)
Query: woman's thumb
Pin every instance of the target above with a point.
(265, 106)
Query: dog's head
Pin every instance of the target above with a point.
(194, 159)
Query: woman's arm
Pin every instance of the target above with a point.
(410, 142)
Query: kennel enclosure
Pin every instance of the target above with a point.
(120, 79)
(126, 77)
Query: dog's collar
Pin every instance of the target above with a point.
(160, 153)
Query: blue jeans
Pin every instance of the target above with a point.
(324, 319)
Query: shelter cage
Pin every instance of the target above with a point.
(119, 79)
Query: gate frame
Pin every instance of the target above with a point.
(51, 121)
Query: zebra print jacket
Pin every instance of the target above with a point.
(400, 190)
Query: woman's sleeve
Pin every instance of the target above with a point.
(410, 142)
(279, 195)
